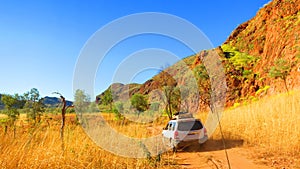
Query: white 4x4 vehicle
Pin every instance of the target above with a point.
(184, 128)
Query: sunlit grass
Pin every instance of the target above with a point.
(40, 147)
(270, 124)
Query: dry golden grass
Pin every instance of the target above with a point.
(40, 147)
(3, 116)
(137, 130)
(271, 125)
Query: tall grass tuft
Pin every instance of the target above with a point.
(271, 124)
(40, 147)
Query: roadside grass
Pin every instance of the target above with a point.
(40, 147)
(136, 129)
(271, 126)
(3, 116)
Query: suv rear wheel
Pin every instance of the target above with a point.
(173, 144)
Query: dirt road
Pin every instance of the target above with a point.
(211, 155)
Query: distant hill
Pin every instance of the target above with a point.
(54, 101)
(48, 101)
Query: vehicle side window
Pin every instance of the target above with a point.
(170, 126)
(173, 126)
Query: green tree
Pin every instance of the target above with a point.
(241, 61)
(139, 102)
(11, 110)
(81, 103)
(281, 69)
(239, 64)
(34, 105)
(172, 99)
(204, 85)
(118, 108)
(21, 101)
(107, 99)
(93, 107)
(170, 91)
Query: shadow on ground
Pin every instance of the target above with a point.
(211, 145)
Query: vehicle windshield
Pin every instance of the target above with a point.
(189, 125)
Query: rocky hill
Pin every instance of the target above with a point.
(54, 101)
(247, 57)
(273, 33)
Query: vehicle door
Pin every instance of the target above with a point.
(168, 131)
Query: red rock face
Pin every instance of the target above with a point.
(273, 33)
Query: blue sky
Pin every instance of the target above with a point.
(40, 41)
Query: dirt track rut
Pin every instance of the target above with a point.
(212, 156)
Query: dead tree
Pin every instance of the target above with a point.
(63, 118)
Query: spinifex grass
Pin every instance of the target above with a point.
(40, 147)
(270, 124)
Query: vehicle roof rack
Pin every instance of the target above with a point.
(183, 115)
